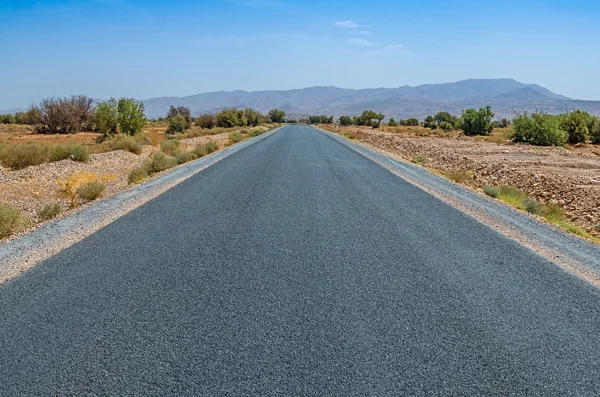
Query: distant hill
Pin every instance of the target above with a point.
(506, 96)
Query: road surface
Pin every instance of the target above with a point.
(298, 267)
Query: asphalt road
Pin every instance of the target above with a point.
(298, 267)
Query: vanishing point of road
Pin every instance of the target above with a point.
(298, 267)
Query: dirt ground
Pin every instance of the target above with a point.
(567, 176)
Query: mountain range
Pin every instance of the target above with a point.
(505, 96)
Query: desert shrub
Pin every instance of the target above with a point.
(207, 121)
(10, 220)
(491, 191)
(18, 156)
(576, 125)
(235, 137)
(49, 211)
(7, 118)
(538, 129)
(177, 124)
(184, 157)
(411, 122)
(79, 152)
(210, 147)
(477, 122)
(513, 196)
(446, 126)
(137, 175)
(125, 142)
(430, 122)
(531, 205)
(182, 111)
(458, 176)
(594, 127)
(62, 115)
(91, 190)
(159, 162)
(170, 146)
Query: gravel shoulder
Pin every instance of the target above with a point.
(572, 253)
(24, 187)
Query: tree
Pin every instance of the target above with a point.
(228, 118)
(345, 120)
(412, 122)
(430, 123)
(106, 118)
(594, 127)
(576, 125)
(379, 117)
(253, 117)
(446, 126)
(206, 121)
(177, 124)
(181, 111)
(367, 118)
(61, 115)
(277, 116)
(392, 122)
(538, 129)
(441, 117)
(131, 117)
(477, 122)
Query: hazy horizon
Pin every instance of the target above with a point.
(112, 48)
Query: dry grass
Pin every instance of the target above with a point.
(11, 220)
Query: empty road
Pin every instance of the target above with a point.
(298, 267)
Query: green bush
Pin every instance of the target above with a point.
(159, 162)
(49, 211)
(477, 122)
(186, 156)
(531, 205)
(177, 124)
(170, 146)
(79, 152)
(210, 147)
(10, 220)
(125, 142)
(540, 129)
(491, 191)
(106, 118)
(446, 126)
(576, 125)
(91, 190)
(594, 128)
(137, 175)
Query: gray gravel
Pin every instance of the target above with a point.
(298, 267)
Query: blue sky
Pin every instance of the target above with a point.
(143, 49)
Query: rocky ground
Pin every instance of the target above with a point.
(566, 176)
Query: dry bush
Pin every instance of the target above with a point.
(10, 220)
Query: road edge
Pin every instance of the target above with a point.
(16, 256)
(572, 253)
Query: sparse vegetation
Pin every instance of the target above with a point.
(458, 176)
(11, 220)
(170, 146)
(137, 175)
(49, 211)
(125, 142)
(21, 155)
(91, 190)
(235, 137)
(159, 162)
(210, 147)
(491, 191)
